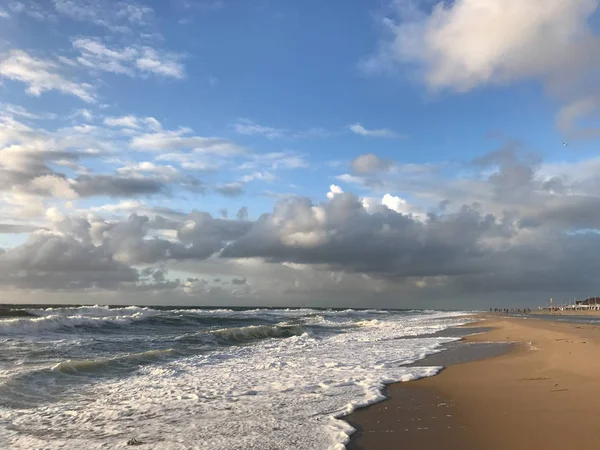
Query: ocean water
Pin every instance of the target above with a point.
(94, 377)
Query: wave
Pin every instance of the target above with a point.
(90, 366)
(91, 311)
(60, 323)
(240, 335)
(255, 332)
(15, 313)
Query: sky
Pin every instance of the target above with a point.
(374, 153)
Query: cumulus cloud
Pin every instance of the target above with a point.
(52, 261)
(508, 222)
(465, 44)
(333, 191)
(41, 75)
(470, 42)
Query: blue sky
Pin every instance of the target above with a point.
(111, 108)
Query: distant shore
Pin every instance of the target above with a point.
(542, 394)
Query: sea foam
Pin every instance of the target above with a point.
(288, 392)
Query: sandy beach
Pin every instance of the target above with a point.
(544, 393)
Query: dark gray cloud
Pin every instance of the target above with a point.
(242, 213)
(115, 186)
(341, 234)
(230, 190)
(50, 261)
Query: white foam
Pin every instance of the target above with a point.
(53, 322)
(274, 394)
(90, 311)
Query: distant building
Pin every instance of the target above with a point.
(591, 301)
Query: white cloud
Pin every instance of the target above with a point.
(181, 139)
(16, 110)
(31, 9)
(4, 14)
(333, 191)
(117, 17)
(357, 128)
(347, 178)
(262, 176)
(133, 122)
(275, 161)
(85, 113)
(41, 76)
(54, 186)
(122, 122)
(160, 63)
(250, 128)
(133, 60)
(167, 172)
(193, 161)
(467, 43)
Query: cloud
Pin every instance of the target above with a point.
(133, 60)
(51, 261)
(333, 191)
(41, 75)
(242, 214)
(117, 186)
(117, 17)
(569, 116)
(504, 222)
(230, 189)
(466, 44)
(250, 128)
(262, 176)
(133, 122)
(369, 163)
(16, 110)
(247, 127)
(275, 161)
(357, 128)
(32, 10)
(181, 139)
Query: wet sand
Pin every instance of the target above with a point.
(542, 394)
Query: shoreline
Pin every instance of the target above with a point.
(542, 393)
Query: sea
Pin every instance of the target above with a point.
(98, 377)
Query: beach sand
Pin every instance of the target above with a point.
(542, 394)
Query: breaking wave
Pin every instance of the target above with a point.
(56, 323)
